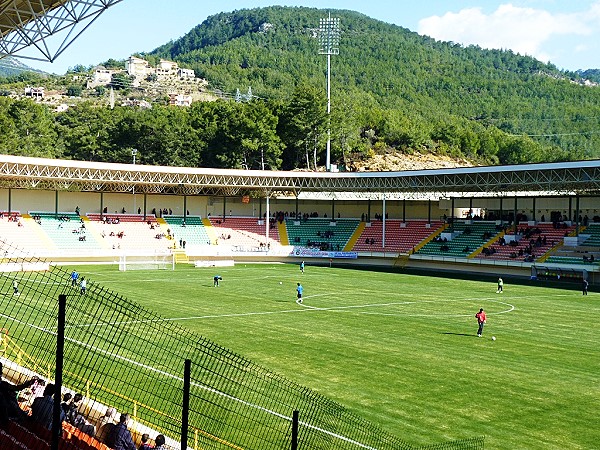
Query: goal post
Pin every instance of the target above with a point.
(158, 261)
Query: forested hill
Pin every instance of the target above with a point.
(393, 93)
(427, 89)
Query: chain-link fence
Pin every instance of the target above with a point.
(119, 354)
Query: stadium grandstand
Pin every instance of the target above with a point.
(534, 220)
(479, 218)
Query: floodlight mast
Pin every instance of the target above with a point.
(329, 44)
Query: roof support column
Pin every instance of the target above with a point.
(501, 213)
(224, 207)
(452, 217)
(577, 215)
(101, 205)
(267, 223)
(429, 211)
(533, 209)
(333, 209)
(56, 204)
(569, 217)
(515, 217)
(297, 201)
(404, 210)
(383, 230)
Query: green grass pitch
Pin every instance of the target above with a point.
(401, 350)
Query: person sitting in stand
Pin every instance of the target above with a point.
(145, 442)
(9, 405)
(120, 438)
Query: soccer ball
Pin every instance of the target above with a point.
(493, 338)
(280, 282)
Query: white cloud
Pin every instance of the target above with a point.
(523, 30)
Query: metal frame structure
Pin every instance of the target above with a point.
(29, 23)
(569, 178)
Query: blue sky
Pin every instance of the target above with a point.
(564, 32)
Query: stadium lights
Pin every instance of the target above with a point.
(329, 44)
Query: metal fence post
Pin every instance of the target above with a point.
(185, 413)
(295, 430)
(60, 348)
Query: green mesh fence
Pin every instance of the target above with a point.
(119, 354)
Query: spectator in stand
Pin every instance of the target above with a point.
(106, 424)
(9, 406)
(41, 410)
(66, 404)
(75, 418)
(120, 438)
(160, 442)
(145, 444)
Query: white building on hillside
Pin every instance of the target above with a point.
(180, 99)
(186, 73)
(138, 68)
(101, 77)
(35, 92)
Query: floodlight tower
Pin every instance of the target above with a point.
(329, 44)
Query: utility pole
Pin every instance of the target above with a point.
(329, 44)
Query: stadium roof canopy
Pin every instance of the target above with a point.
(29, 23)
(569, 178)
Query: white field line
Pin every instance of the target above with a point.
(180, 379)
(307, 308)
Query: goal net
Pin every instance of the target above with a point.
(159, 261)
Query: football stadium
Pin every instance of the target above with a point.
(381, 353)
(195, 308)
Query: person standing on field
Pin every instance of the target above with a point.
(299, 290)
(585, 286)
(302, 267)
(74, 277)
(500, 286)
(481, 321)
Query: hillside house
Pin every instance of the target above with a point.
(101, 77)
(138, 68)
(34, 92)
(186, 73)
(135, 103)
(180, 100)
(167, 68)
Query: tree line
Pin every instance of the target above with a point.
(392, 91)
(246, 135)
